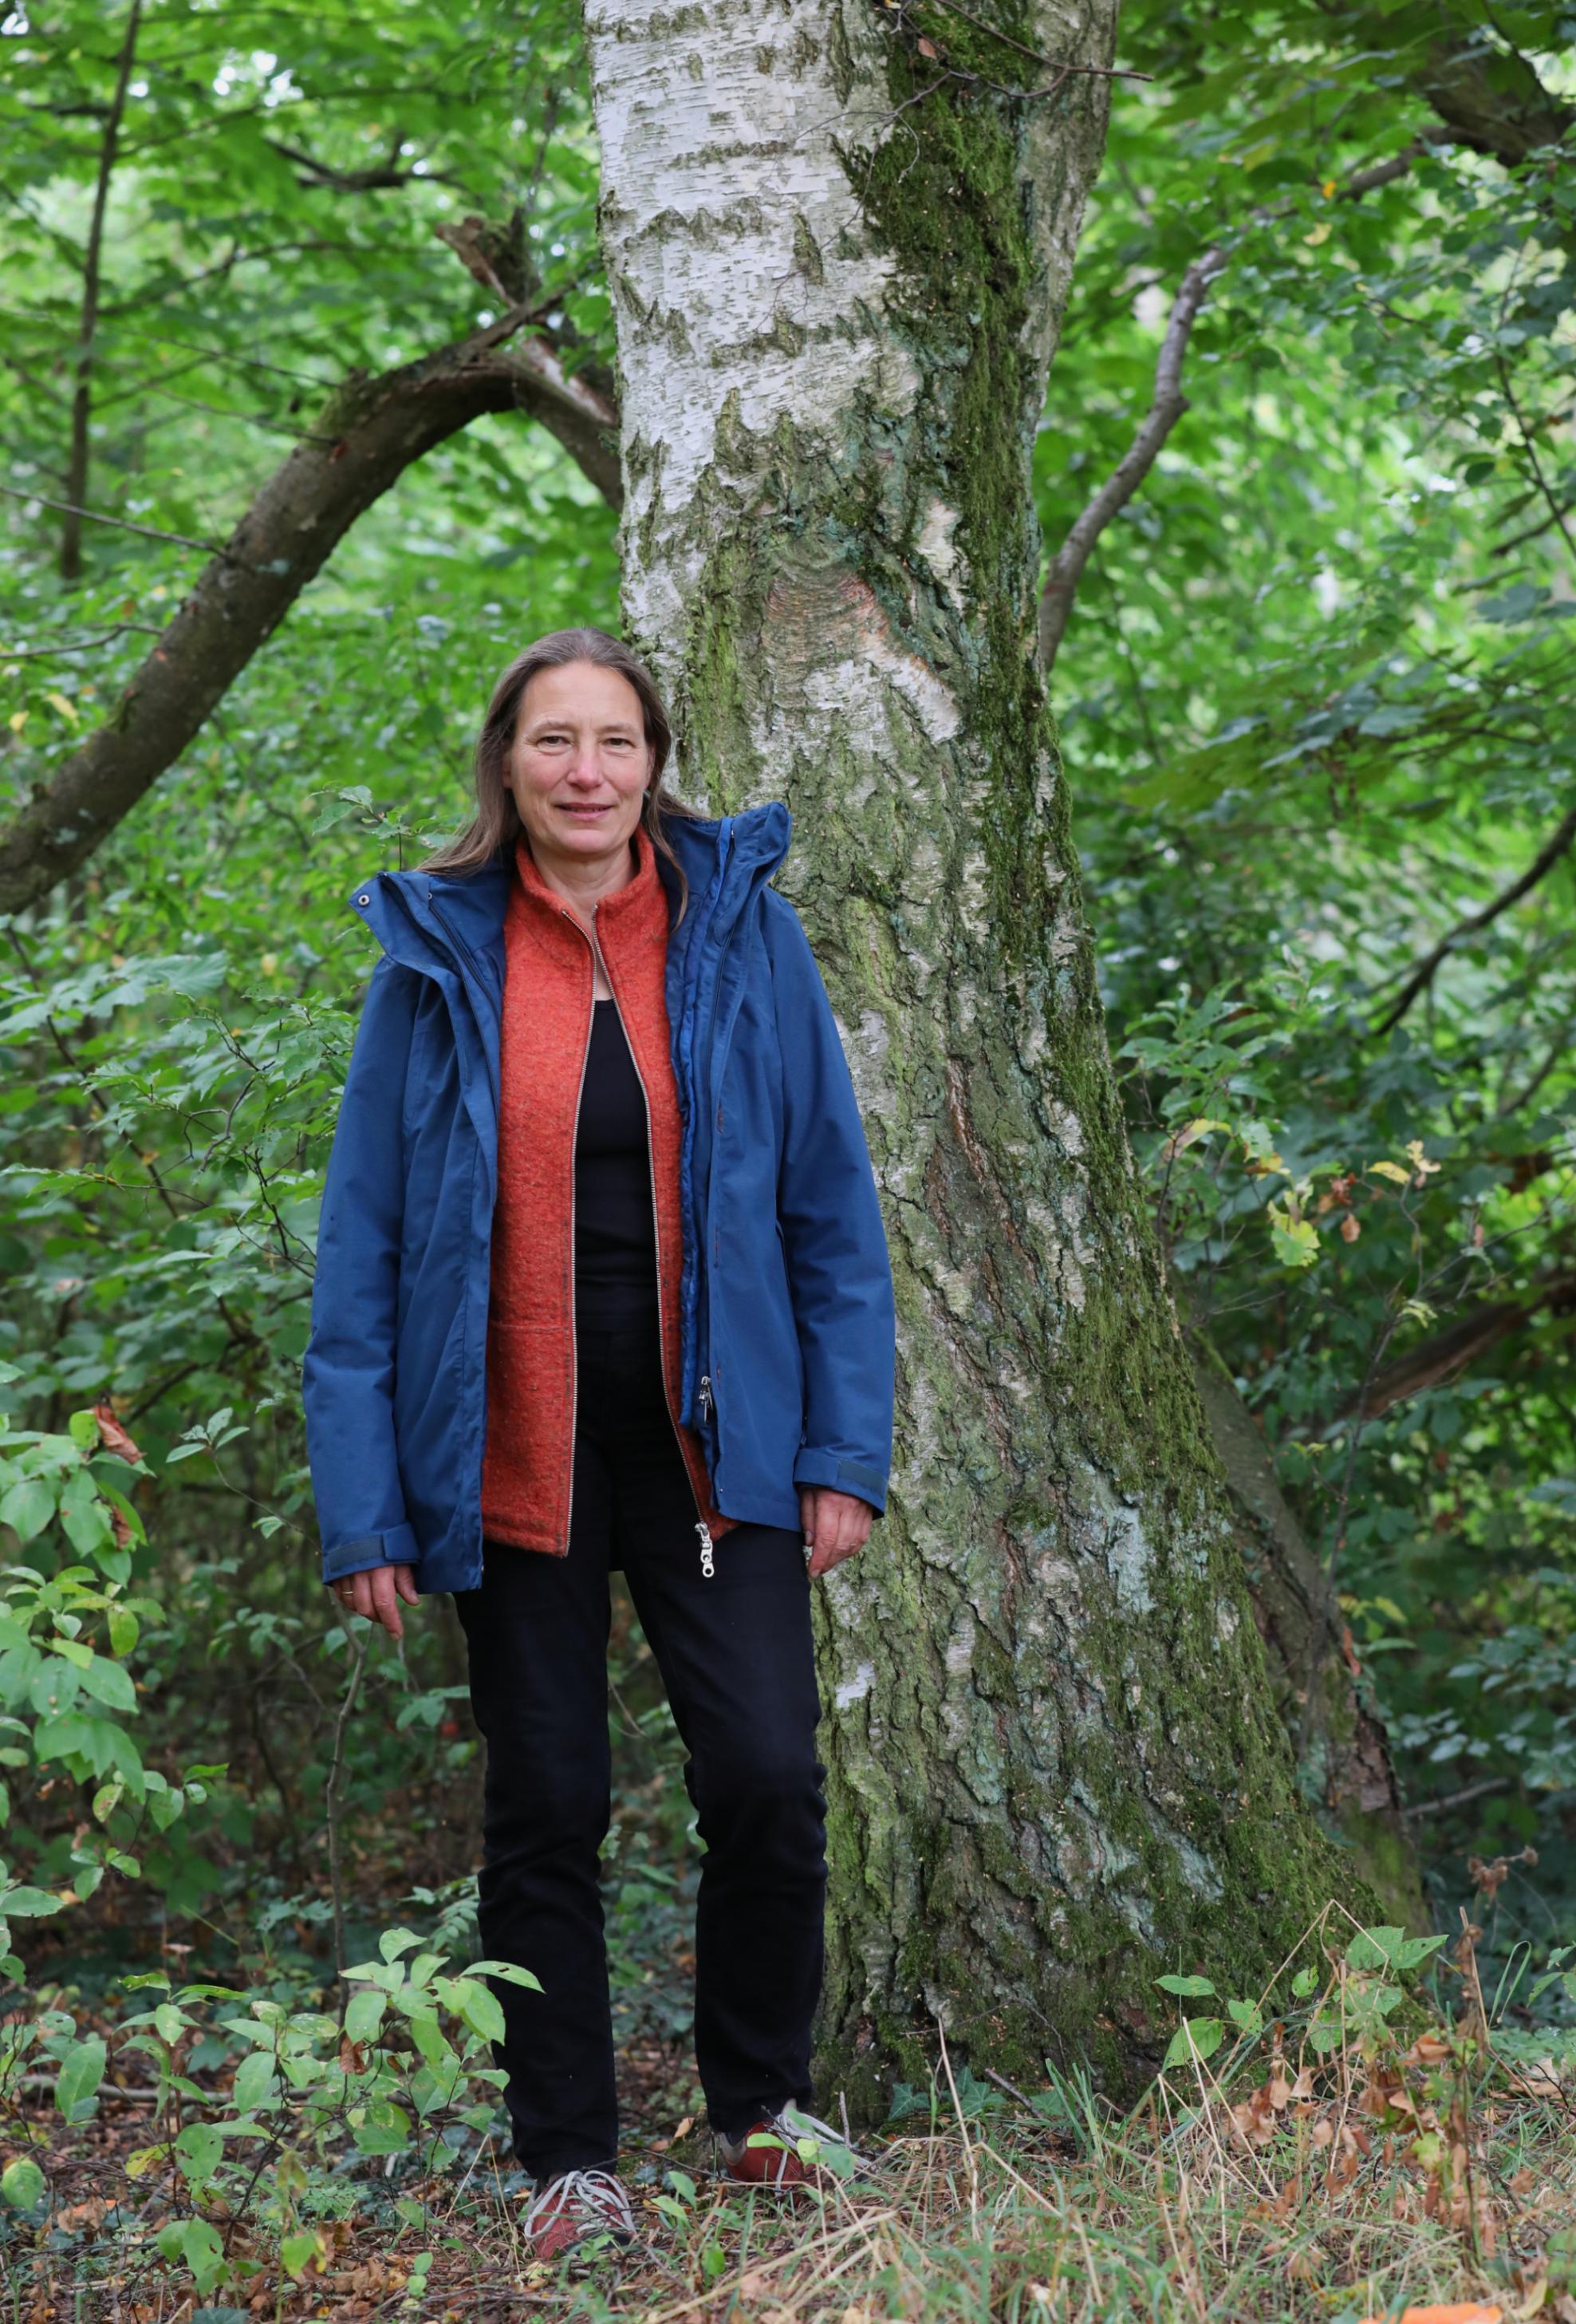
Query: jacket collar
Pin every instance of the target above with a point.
(437, 923)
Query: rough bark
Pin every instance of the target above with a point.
(838, 266)
(369, 433)
(1344, 1766)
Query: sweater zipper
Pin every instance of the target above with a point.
(707, 1555)
(573, 1141)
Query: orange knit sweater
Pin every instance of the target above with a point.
(528, 1464)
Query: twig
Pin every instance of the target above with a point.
(331, 1798)
(82, 394)
(77, 645)
(121, 523)
(1558, 511)
(1168, 408)
(1422, 977)
(1169, 403)
(1457, 1799)
(963, 2133)
(1013, 2091)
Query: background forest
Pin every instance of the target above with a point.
(1315, 696)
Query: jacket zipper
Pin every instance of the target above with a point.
(707, 1564)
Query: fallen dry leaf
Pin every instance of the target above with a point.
(1457, 2311)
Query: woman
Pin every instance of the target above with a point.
(602, 1283)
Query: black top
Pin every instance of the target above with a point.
(615, 1231)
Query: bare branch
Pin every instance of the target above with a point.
(1168, 408)
(82, 395)
(1556, 845)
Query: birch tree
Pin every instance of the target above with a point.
(839, 235)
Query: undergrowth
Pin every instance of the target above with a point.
(1370, 2131)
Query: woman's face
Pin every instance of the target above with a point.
(580, 764)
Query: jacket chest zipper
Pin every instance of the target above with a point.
(707, 1552)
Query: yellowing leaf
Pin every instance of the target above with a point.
(17, 720)
(1328, 187)
(1392, 1170)
(1423, 1168)
(66, 709)
(1187, 1136)
(1321, 233)
(1296, 1238)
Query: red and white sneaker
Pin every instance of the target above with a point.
(789, 2152)
(578, 2207)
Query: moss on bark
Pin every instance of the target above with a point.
(1055, 1767)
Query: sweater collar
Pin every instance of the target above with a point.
(641, 899)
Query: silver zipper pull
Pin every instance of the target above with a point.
(707, 1569)
(705, 1396)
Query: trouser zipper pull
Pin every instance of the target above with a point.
(707, 1568)
(705, 1396)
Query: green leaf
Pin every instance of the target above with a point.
(22, 2183)
(479, 2008)
(196, 2243)
(109, 1683)
(27, 1508)
(256, 2083)
(28, 1904)
(383, 2128)
(1305, 1982)
(1192, 1989)
(364, 2012)
(77, 2084)
(298, 2252)
(510, 1971)
(1196, 2037)
(198, 2151)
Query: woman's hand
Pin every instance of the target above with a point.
(376, 1594)
(836, 1525)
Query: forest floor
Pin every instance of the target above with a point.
(1357, 2184)
(1003, 2216)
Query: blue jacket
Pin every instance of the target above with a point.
(787, 1302)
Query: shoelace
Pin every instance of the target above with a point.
(595, 2196)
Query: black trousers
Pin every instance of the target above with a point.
(734, 1651)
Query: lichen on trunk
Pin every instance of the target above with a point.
(839, 237)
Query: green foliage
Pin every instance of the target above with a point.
(1313, 704)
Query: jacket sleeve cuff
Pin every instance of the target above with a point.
(395, 1547)
(813, 1468)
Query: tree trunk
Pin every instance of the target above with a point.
(1323, 1696)
(839, 237)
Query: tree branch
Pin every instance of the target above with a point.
(1423, 975)
(370, 432)
(1489, 98)
(82, 396)
(1168, 408)
(1068, 566)
(1472, 1335)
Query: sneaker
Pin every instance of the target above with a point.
(768, 2155)
(577, 2207)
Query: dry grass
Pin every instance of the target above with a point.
(1335, 2163)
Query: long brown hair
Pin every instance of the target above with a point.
(495, 827)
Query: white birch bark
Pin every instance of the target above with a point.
(838, 265)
